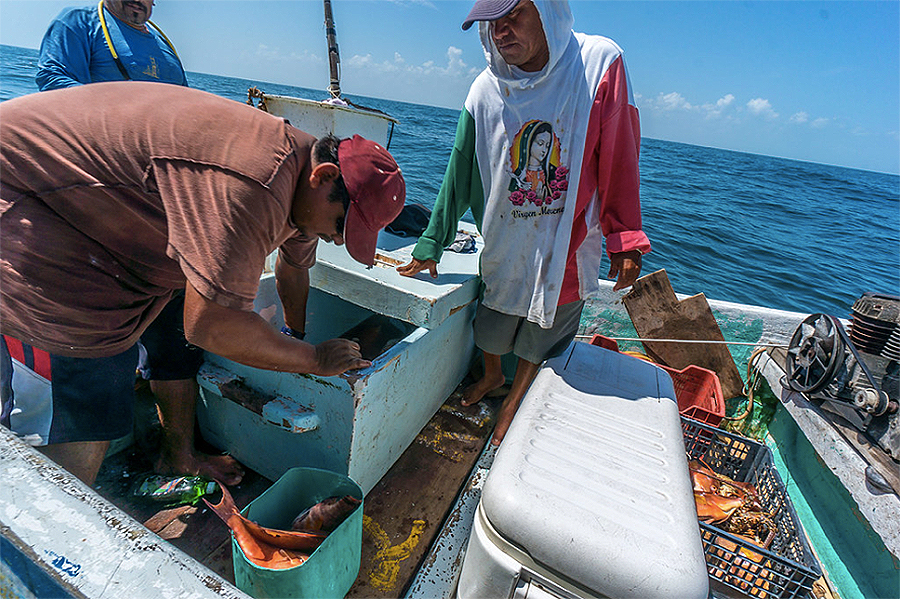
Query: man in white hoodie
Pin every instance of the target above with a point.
(546, 158)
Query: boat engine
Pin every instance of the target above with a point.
(856, 374)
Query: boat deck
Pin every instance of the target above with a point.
(402, 515)
(850, 522)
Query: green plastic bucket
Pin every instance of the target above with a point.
(332, 568)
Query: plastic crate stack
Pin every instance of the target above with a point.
(786, 568)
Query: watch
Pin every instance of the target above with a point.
(286, 330)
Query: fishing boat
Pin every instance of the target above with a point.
(60, 535)
(422, 460)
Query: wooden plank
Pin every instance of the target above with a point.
(404, 512)
(220, 561)
(657, 313)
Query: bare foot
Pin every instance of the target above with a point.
(476, 391)
(222, 468)
(504, 419)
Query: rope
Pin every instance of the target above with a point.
(710, 341)
(171, 45)
(376, 111)
(112, 48)
(361, 107)
(750, 386)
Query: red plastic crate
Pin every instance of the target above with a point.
(697, 390)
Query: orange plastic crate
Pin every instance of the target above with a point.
(699, 394)
(697, 390)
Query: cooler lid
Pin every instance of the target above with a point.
(420, 300)
(592, 479)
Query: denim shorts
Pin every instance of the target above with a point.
(50, 399)
(499, 334)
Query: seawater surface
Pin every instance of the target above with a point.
(738, 227)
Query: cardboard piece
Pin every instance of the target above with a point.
(657, 313)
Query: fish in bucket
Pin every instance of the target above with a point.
(278, 549)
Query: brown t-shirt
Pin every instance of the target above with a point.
(112, 194)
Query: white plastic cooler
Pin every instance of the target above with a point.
(589, 494)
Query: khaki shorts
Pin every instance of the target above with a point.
(499, 334)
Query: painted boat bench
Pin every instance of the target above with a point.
(417, 333)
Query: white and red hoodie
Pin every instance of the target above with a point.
(548, 163)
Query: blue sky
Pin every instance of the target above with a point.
(815, 81)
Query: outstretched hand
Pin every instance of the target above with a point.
(337, 356)
(625, 268)
(416, 266)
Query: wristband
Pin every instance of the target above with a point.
(286, 330)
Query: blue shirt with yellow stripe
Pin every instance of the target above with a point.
(74, 51)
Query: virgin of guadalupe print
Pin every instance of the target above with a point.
(537, 176)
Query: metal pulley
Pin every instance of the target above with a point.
(813, 354)
(823, 363)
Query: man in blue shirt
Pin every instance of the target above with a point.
(113, 41)
(116, 41)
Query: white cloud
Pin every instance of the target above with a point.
(414, 3)
(819, 123)
(455, 67)
(454, 59)
(762, 107)
(268, 54)
(368, 63)
(397, 78)
(672, 101)
(715, 110)
(263, 51)
(800, 117)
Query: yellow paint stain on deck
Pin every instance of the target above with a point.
(385, 566)
(434, 436)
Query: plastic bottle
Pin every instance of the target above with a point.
(174, 489)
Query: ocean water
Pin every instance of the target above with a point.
(738, 227)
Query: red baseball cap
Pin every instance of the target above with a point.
(377, 194)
